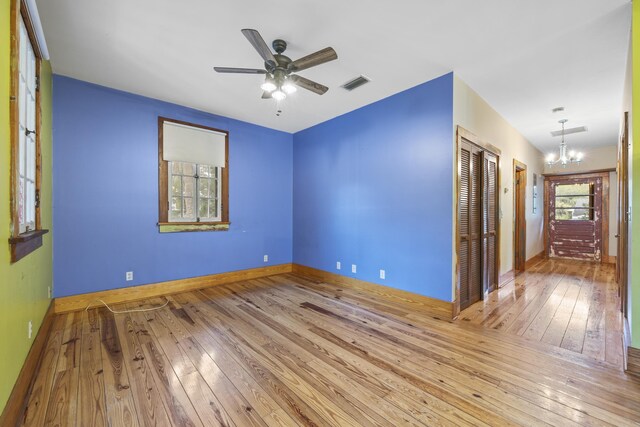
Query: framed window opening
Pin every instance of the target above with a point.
(574, 202)
(25, 120)
(193, 194)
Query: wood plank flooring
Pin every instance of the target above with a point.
(288, 351)
(565, 303)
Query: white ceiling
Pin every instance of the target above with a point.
(524, 57)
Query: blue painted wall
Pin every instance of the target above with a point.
(373, 188)
(105, 180)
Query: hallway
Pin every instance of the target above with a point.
(565, 303)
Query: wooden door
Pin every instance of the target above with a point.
(575, 217)
(623, 215)
(469, 225)
(520, 225)
(490, 221)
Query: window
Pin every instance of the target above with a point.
(26, 233)
(194, 194)
(574, 202)
(26, 132)
(193, 177)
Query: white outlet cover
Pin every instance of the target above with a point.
(129, 276)
(266, 258)
(354, 269)
(338, 265)
(30, 329)
(382, 274)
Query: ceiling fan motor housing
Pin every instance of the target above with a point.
(279, 45)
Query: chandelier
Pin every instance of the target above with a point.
(565, 157)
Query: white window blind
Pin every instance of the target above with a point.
(194, 145)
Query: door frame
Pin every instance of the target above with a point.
(519, 167)
(462, 133)
(622, 258)
(602, 173)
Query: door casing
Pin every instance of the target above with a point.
(519, 216)
(461, 134)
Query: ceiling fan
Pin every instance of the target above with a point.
(281, 78)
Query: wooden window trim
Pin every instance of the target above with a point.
(163, 187)
(23, 244)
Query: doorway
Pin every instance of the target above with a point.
(577, 216)
(520, 222)
(478, 221)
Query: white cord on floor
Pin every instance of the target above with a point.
(138, 310)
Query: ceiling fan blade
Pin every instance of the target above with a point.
(259, 44)
(320, 57)
(309, 84)
(240, 70)
(266, 95)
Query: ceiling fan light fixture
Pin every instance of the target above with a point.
(278, 95)
(268, 85)
(565, 157)
(289, 87)
(278, 68)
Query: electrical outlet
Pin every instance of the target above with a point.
(266, 258)
(382, 274)
(353, 268)
(30, 329)
(338, 265)
(49, 292)
(129, 276)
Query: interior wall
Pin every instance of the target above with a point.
(24, 284)
(475, 115)
(106, 194)
(369, 191)
(627, 101)
(634, 177)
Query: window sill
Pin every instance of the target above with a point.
(179, 227)
(25, 243)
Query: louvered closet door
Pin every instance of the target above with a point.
(470, 221)
(490, 221)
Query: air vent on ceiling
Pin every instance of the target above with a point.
(569, 131)
(355, 83)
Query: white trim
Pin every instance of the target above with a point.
(32, 10)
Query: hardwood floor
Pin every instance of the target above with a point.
(565, 303)
(286, 351)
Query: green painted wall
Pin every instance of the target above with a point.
(635, 178)
(23, 285)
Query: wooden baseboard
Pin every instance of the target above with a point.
(539, 257)
(420, 303)
(133, 293)
(633, 360)
(511, 274)
(14, 409)
(626, 341)
(506, 278)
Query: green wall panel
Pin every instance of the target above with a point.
(23, 285)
